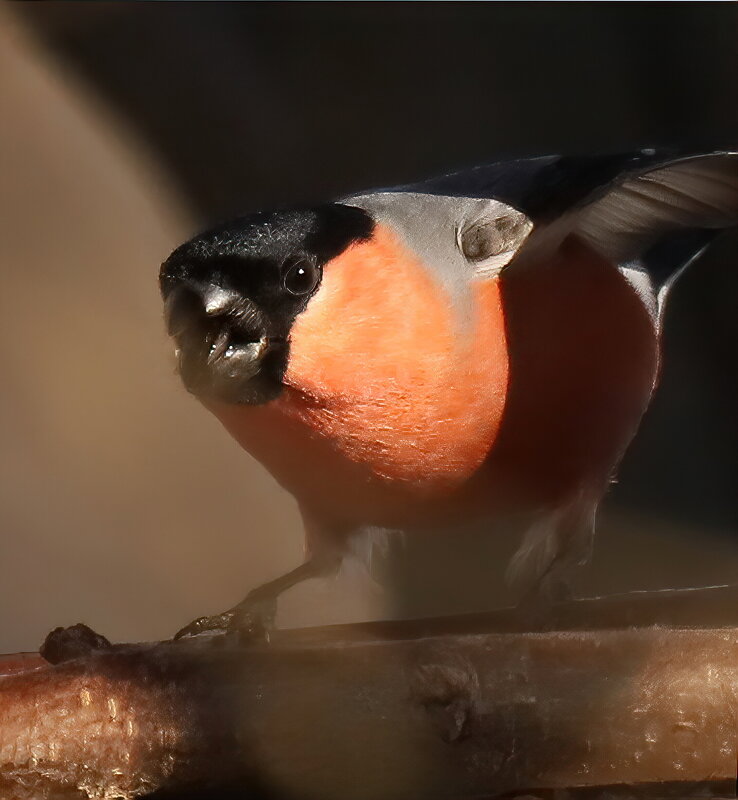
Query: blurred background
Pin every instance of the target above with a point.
(125, 128)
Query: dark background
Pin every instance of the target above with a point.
(251, 106)
(254, 105)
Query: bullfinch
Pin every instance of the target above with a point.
(450, 350)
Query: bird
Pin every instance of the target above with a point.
(463, 347)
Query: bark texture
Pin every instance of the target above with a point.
(608, 703)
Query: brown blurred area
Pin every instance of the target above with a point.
(126, 127)
(122, 503)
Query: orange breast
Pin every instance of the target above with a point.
(383, 367)
(389, 394)
(392, 404)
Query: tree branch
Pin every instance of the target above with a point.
(465, 706)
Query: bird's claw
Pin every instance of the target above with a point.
(218, 622)
(250, 621)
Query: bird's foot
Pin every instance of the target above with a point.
(250, 621)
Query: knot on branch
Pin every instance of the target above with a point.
(76, 641)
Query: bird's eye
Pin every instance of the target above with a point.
(301, 277)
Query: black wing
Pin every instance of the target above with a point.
(651, 209)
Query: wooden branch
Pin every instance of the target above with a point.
(471, 706)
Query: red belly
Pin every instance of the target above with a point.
(582, 354)
(583, 363)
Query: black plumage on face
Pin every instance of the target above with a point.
(232, 293)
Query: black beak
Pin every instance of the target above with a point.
(225, 348)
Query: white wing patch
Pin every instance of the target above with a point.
(640, 280)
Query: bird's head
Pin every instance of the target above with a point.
(232, 295)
